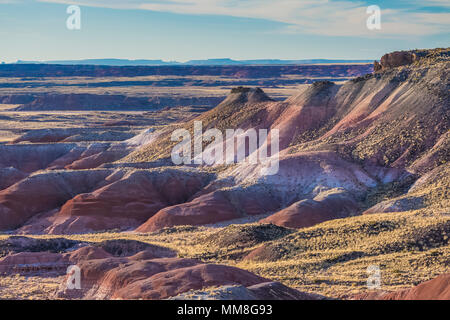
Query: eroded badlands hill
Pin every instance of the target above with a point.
(362, 141)
(363, 178)
(343, 148)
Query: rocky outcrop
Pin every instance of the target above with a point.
(377, 66)
(395, 59)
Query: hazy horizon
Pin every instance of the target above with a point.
(209, 61)
(194, 30)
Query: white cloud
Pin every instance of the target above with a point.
(324, 17)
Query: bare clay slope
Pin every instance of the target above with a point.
(347, 146)
(391, 117)
(366, 140)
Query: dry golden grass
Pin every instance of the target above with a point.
(14, 123)
(18, 287)
(330, 258)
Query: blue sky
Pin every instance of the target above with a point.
(199, 29)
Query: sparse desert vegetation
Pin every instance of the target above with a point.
(363, 173)
(330, 259)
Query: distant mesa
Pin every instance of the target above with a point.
(237, 71)
(205, 62)
(108, 62)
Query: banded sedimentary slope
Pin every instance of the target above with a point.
(363, 178)
(343, 148)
